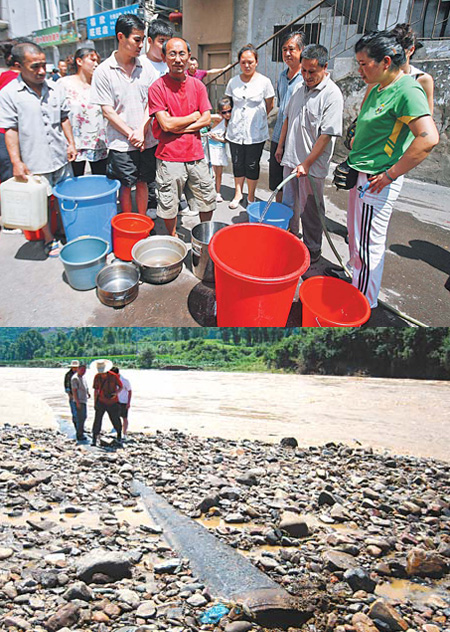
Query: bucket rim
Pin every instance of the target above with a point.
(84, 263)
(256, 279)
(320, 278)
(206, 243)
(148, 221)
(261, 204)
(63, 196)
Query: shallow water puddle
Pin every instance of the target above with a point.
(405, 590)
(218, 522)
(88, 519)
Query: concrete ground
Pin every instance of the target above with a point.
(34, 291)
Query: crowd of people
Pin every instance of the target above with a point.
(138, 118)
(112, 395)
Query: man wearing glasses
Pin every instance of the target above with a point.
(181, 108)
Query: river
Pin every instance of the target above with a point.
(401, 416)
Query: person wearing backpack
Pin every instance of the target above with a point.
(106, 388)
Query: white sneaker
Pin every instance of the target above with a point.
(151, 212)
(219, 198)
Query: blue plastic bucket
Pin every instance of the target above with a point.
(83, 258)
(87, 205)
(277, 214)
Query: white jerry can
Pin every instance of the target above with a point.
(24, 204)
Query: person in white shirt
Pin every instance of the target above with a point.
(248, 130)
(120, 86)
(158, 32)
(124, 400)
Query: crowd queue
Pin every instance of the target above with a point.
(138, 118)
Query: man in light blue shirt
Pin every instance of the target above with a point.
(38, 134)
(313, 121)
(289, 80)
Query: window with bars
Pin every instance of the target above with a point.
(44, 14)
(66, 12)
(311, 31)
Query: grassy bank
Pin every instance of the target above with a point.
(192, 354)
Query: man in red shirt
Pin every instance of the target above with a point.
(106, 399)
(181, 108)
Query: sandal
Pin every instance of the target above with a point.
(52, 248)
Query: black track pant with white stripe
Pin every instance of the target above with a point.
(367, 222)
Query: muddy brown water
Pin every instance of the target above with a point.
(402, 416)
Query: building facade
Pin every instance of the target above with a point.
(61, 26)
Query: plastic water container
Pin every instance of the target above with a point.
(83, 258)
(127, 230)
(24, 204)
(87, 205)
(257, 269)
(277, 214)
(330, 302)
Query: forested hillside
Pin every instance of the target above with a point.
(386, 352)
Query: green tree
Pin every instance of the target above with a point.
(146, 358)
(30, 344)
(225, 332)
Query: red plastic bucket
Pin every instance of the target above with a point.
(127, 230)
(329, 302)
(257, 269)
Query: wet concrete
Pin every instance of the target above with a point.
(34, 291)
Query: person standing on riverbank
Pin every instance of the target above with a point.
(106, 389)
(124, 400)
(80, 394)
(68, 388)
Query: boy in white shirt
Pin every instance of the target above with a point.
(158, 32)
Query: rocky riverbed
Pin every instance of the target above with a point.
(365, 535)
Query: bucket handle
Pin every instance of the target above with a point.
(196, 250)
(318, 323)
(69, 210)
(120, 297)
(28, 177)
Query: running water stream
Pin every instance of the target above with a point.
(402, 416)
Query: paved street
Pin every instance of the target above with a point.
(34, 292)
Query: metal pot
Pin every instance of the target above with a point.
(117, 284)
(160, 259)
(202, 264)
